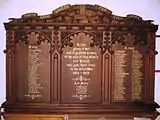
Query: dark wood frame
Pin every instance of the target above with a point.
(99, 19)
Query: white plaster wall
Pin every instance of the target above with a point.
(147, 9)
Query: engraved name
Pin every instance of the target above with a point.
(81, 68)
(33, 64)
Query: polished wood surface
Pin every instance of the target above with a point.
(80, 59)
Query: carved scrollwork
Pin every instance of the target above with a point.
(137, 38)
(118, 37)
(21, 36)
(113, 38)
(66, 40)
(96, 38)
(140, 38)
(124, 38)
(43, 38)
(106, 40)
(26, 37)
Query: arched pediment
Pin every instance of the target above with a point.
(83, 13)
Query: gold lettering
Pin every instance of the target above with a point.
(136, 75)
(33, 64)
(62, 8)
(83, 62)
(120, 74)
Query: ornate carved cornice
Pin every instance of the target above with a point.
(68, 20)
(80, 15)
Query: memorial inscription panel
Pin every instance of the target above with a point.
(81, 73)
(128, 75)
(34, 83)
(80, 60)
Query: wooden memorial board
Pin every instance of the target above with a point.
(80, 59)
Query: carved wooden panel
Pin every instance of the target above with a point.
(81, 70)
(128, 65)
(80, 59)
(32, 70)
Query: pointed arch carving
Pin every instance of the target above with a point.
(95, 41)
(23, 36)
